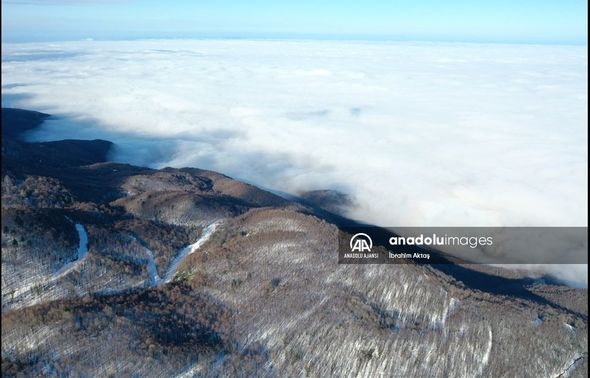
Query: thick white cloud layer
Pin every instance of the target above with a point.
(420, 134)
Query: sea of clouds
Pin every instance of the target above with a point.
(418, 134)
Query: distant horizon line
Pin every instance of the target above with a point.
(305, 37)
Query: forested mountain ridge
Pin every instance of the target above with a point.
(121, 270)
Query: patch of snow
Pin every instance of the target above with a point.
(152, 269)
(486, 356)
(83, 243)
(81, 253)
(150, 262)
(569, 327)
(207, 232)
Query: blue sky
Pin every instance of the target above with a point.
(538, 21)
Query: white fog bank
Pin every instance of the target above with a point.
(419, 134)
